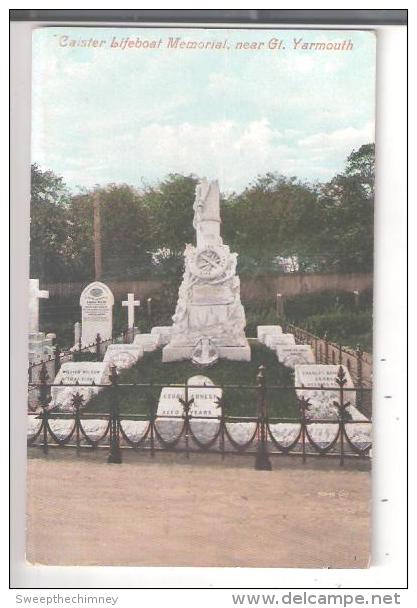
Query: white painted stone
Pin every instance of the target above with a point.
(200, 389)
(263, 330)
(131, 303)
(318, 376)
(164, 332)
(209, 303)
(291, 355)
(96, 303)
(272, 340)
(285, 433)
(40, 347)
(149, 342)
(83, 372)
(123, 356)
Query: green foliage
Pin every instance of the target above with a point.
(324, 227)
(347, 328)
(238, 402)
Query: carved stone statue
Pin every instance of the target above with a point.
(209, 303)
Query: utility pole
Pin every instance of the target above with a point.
(97, 236)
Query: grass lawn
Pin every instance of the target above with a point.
(238, 401)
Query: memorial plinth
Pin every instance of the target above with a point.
(209, 317)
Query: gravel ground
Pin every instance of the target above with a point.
(201, 512)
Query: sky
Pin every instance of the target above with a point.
(108, 114)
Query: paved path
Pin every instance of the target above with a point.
(170, 512)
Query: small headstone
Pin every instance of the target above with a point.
(123, 356)
(291, 355)
(204, 395)
(149, 342)
(131, 303)
(272, 340)
(319, 376)
(96, 303)
(263, 330)
(77, 333)
(164, 332)
(85, 372)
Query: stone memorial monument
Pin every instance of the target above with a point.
(96, 303)
(209, 305)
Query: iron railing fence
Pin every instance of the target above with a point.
(46, 371)
(358, 362)
(262, 435)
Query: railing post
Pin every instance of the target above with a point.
(340, 354)
(326, 349)
(341, 381)
(57, 359)
(98, 343)
(359, 371)
(149, 311)
(152, 418)
(115, 455)
(44, 401)
(77, 401)
(262, 461)
(304, 405)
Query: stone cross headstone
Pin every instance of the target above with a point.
(201, 391)
(131, 303)
(85, 372)
(35, 294)
(96, 303)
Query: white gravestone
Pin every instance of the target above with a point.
(123, 356)
(40, 346)
(131, 303)
(204, 395)
(263, 330)
(317, 376)
(272, 340)
(35, 294)
(96, 303)
(164, 332)
(83, 372)
(291, 355)
(149, 342)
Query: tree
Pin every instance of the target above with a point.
(274, 217)
(361, 163)
(48, 225)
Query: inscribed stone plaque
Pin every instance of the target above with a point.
(263, 330)
(272, 340)
(204, 395)
(317, 376)
(123, 356)
(149, 342)
(96, 303)
(291, 355)
(84, 372)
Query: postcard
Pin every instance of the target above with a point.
(201, 297)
